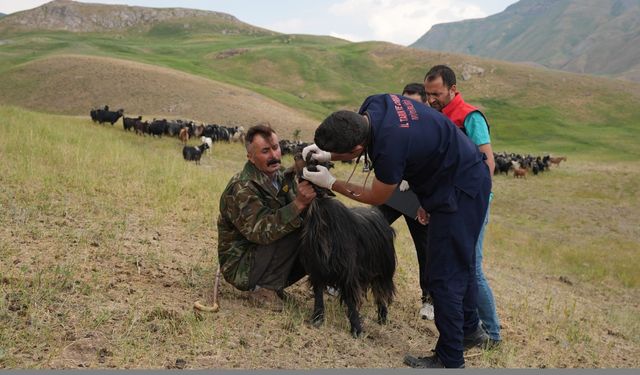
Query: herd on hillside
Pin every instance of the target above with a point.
(519, 165)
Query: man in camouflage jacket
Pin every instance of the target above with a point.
(260, 219)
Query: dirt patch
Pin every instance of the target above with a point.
(230, 53)
(141, 89)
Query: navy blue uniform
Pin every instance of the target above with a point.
(448, 174)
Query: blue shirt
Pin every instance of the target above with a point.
(477, 128)
(419, 144)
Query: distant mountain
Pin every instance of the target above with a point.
(584, 36)
(2, 15)
(73, 16)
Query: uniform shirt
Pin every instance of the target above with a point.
(422, 146)
(253, 212)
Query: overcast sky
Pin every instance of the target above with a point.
(397, 21)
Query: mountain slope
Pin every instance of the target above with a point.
(583, 36)
(85, 17)
(76, 84)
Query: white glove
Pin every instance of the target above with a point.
(321, 178)
(317, 153)
(404, 185)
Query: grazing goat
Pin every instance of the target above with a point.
(349, 249)
(130, 122)
(141, 127)
(207, 140)
(104, 115)
(184, 135)
(557, 160)
(194, 153)
(520, 172)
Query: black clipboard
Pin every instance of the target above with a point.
(405, 202)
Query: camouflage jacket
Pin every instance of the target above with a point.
(253, 213)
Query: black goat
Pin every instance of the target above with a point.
(194, 153)
(104, 115)
(130, 122)
(349, 249)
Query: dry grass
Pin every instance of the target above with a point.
(107, 239)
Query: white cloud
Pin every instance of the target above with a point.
(287, 26)
(404, 22)
(11, 6)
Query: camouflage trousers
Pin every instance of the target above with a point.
(277, 265)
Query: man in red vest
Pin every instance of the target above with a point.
(443, 95)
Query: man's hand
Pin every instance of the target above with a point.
(404, 185)
(306, 194)
(422, 216)
(320, 178)
(316, 154)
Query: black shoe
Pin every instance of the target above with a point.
(491, 344)
(423, 362)
(478, 338)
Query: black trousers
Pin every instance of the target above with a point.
(451, 268)
(277, 265)
(420, 235)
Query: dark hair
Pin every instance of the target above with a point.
(341, 132)
(263, 129)
(415, 88)
(443, 71)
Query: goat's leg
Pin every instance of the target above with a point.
(317, 318)
(382, 313)
(381, 302)
(354, 318)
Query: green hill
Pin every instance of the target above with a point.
(531, 110)
(583, 36)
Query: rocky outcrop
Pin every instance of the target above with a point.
(583, 36)
(469, 71)
(83, 17)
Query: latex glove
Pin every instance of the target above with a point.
(404, 185)
(317, 153)
(322, 177)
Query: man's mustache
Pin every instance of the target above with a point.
(273, 161)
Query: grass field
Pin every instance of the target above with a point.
(107, 239)
(531, 110)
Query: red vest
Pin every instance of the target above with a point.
(457, 111)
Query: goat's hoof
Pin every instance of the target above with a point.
(382, 315)
(356, 333)
(317, 320)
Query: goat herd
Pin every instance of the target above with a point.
(182, 129)
(521, 165)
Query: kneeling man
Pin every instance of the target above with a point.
(260, 220)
